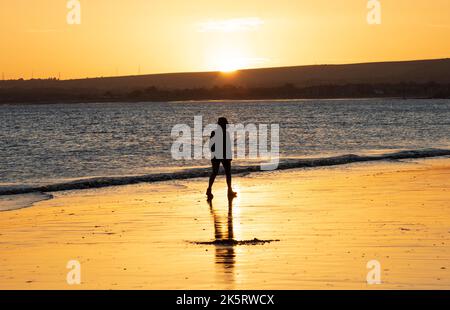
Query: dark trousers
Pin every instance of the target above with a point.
(226, 163)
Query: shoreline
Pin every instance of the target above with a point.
(102, 182)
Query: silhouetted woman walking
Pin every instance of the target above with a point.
(220, 153)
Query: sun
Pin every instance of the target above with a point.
(228, 59)
(230, 65)
(231, 56)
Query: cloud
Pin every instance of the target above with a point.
(231, 25)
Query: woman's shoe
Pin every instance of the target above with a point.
(209, 194)
(231, 194)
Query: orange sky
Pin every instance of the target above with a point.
(118, 37)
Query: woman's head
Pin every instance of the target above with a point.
(223, 122)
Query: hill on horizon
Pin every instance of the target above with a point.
(418, 71)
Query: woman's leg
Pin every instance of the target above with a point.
(227, 166)
(215, 171)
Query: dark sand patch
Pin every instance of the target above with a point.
(232, 242)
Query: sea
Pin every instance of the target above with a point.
(50, 147)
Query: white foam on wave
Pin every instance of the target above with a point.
(15, 202)
(205, 172)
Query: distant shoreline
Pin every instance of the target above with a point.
(288, 91)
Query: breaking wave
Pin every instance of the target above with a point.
(100, 182)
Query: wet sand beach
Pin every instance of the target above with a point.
(322, 227)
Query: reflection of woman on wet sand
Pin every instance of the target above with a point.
(223, 147)
(219, 235)
(224, 241)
